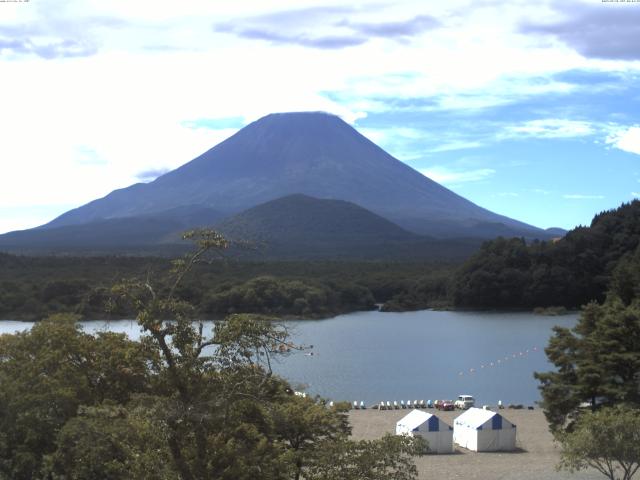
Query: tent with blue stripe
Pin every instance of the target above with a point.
(437, 433)
(484, 431)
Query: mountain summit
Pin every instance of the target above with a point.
(310, 153)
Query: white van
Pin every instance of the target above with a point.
(464, 402)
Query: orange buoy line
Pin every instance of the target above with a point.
(499, 361)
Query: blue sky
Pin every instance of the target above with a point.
(529, 109)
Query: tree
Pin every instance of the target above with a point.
(306, 425)
(110, 442)
(388, 458)
(209, 388)
(597, 362)
(607, 440)
(47, 373)
(225, 415)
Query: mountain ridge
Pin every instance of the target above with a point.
(312, 153)
(294, 227)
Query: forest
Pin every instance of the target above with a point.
(513, 274)
(34, 287)
(502, 274)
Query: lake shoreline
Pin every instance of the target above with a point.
(372, 356)
(287, 318)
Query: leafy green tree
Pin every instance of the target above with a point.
(304, 425)
(47, 373)
(607, 440)
(215, 392)
(388, 458)
(110, 442)
(226, 415)
(597, 362)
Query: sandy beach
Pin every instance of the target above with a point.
(535, 458)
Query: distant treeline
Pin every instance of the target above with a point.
(570, 272)
(504, 274)
(511, 274)
(32, 288)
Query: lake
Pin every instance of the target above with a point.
(374, 356)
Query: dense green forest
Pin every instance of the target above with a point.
(503, 274)
(34, 287)
(514, 274)
(570, 272)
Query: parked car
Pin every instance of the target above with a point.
(464, 402)
(444, 405)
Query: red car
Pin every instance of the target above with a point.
(444, 405)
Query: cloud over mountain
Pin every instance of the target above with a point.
(332, 26)
(608, 31)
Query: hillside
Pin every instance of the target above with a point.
(569, 272)
(155, 233)
(299, 226)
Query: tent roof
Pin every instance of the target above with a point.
(475, 417)
(414, 419)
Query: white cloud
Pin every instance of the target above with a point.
(635, 194)
(452, 177)
(394, 140)
(625, 138)
(73, 129)
(456, 145)
(576, 196)
(549, 128)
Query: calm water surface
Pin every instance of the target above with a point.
(374, 356)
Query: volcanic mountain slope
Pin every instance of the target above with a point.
(153, 233)
(295, 227)
(298, 226)
(311, 153)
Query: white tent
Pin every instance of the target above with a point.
(484, 431)
(438, 434)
